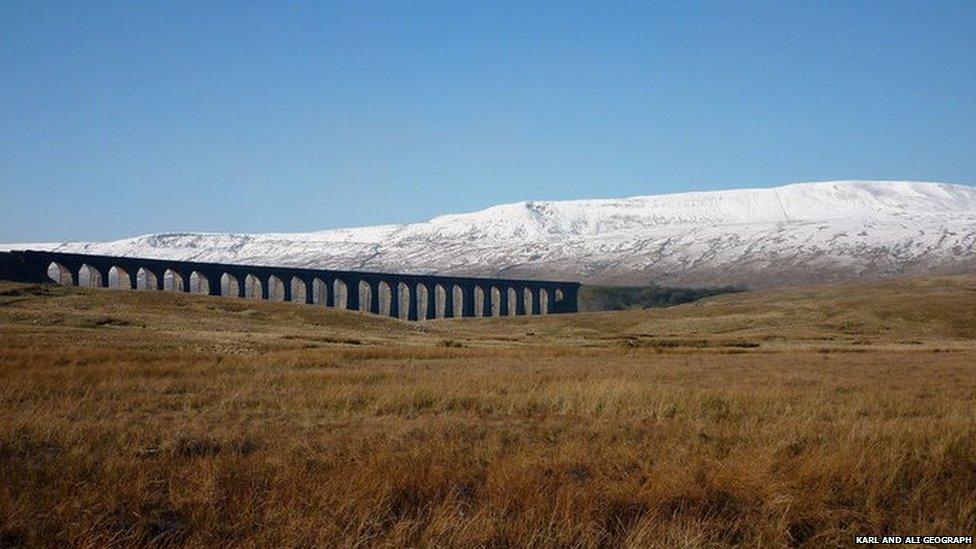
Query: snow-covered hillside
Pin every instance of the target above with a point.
(801, 233)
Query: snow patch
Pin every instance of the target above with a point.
(754, 237)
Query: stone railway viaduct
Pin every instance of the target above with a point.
(411, 297)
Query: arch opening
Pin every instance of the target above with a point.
(440, 301)
(89, 276)
(496, 301)
(118, 278)
(320, 292)
(479, 301)
(403, 300)
(172, 281)
(276, 289)
(527, 300)
(543, 301)
(229, 285)
(365, 299)
(512, 297)
(253, 289)
(146, 280)
(421, 301)
(458, 294)
(59, 274)
(385, 295)
(199, 283)
(299, 292)
(341, 295)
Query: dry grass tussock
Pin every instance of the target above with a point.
(791, 418)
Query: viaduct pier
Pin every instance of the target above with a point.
(410, 297)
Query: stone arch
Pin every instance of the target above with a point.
(404, 297)
(511, 296)
(458, 293)
(172, 281)
(527, 300)
(386, 298)
(496, 301)
(543, 301)
(320, 291)
(276, 289)
(146, 279)
(199, 283)
(479, 301)
(299, 291)
(440, 301)
(365, 296)
(229, 285)
(536, 301)
(89, 276)
(341, 294)
(118, 278)
(488, 302)
(563, 300)
(60, 274)
(253, 287)
(421, 300)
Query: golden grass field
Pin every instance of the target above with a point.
(780, 418)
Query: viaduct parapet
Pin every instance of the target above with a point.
(411, 297)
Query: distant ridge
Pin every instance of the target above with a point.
(755, 238)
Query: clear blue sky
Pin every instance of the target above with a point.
(118, 119)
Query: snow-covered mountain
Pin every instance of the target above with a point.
(801, 233)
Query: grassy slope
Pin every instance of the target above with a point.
(906, 311)
(787, 417)
(620, 298)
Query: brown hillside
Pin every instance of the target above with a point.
(780, 418)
